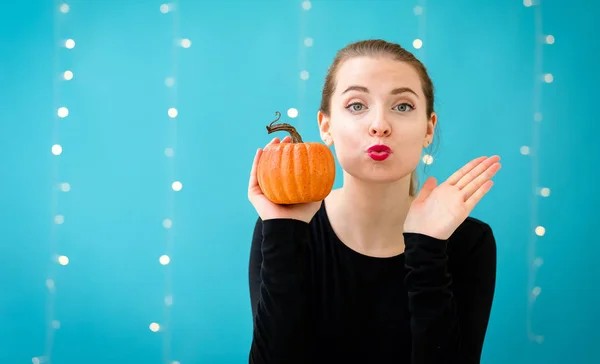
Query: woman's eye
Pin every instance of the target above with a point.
(404, 107)
(357, 106)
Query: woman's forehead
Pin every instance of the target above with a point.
(381, 74)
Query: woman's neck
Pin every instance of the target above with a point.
(370, 217)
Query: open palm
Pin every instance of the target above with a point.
(438, 211)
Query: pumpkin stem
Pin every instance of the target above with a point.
(296, 138)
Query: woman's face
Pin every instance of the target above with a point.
(377, 101)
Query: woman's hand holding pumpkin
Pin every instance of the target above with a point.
(268, 210)
(438, 211)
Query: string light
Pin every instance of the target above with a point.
(70, 44)
(172, 13)
(535, 262)
(63, 112)
(177, 186)
(57, 149)
(305, 43)
(417, 43)
(186, 43)
(52, 322)
(419, 11)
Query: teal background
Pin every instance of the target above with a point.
(243, 65)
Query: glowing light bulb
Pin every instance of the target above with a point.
(70, 43)
(172, 113)
(177, 186)
(68, 75)
(417, 43)
(165, 8)
(540, 231)
(186, 43)
(164, 259)
(59, 219)
(292, 112)
(63, 260)
(154, 327)
(62, 112)
(56, 149)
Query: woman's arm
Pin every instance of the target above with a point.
(278, 289)
(446, 328)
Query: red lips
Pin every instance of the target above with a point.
(379, 152)
(380, 148)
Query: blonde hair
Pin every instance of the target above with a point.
(376, 48)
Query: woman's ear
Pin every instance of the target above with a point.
(324, 128)
(430, 130)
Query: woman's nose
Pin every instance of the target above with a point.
(380, 130)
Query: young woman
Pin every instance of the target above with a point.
(375, 273)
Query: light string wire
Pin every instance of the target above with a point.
(419, 11)
(304, 75)
(52, 324)
(172, 9)
(533, 290)
(419, 44)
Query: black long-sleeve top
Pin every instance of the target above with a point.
(315, 300)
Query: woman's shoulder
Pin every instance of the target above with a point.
(472, 237)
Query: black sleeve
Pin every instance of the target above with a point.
(444, 329)
(278, 289)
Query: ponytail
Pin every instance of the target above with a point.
(414, 184)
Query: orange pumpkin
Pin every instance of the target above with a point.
(296, 172)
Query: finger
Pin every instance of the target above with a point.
(253, 187)
(274, 141)
(478, 195)
(287, 139)
(426, 190)
(474, 185)
(464, 170)
(475, 172)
